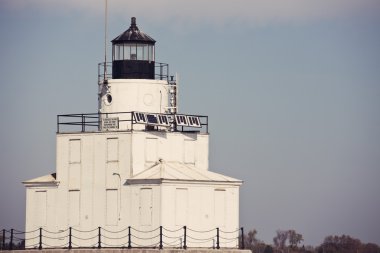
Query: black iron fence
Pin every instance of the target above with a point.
(129, 237)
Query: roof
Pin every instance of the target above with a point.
(176, 171)
(47, 179)
(133, 34)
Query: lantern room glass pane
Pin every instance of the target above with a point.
(150, 53)
(127, 52)
(133, 52)
(118, 52)
(139, 52)
(145, 53)
(121, 52)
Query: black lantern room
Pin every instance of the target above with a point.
(133, 54)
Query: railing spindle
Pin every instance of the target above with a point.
(184, 237)
(40, 242)
(82, 123)
(99, 238)
(217, 238)
(129, 237)
(57, 123)
(160, 237)
(70, 246)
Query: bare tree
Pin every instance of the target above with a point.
(294, 238)
(280, 239)
(338, 244)
(253, 243)
(250, 240)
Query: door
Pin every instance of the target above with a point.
(146, 208)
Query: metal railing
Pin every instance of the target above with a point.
(161, 71)
(129, 237)
(87, 122)
(101, 71)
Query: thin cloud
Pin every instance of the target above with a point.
(212, 11)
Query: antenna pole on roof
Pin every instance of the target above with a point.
(105, 41)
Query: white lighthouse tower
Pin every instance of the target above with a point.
(137, 168)
(134, 86)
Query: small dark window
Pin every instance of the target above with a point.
(109, 99)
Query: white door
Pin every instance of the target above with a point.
(181, 206)
(112, 207)
(40, 208)
(74, 208)
(220, 208)
(146, 208)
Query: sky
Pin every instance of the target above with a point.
(291, 88)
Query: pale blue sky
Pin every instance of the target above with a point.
(291, 89)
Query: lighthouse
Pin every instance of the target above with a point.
(137, 166)
(134, 86)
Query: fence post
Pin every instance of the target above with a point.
(40, 242)
(132, 117)
(99, 238)
(242, 238)
(83, 126)
(57, 123)
(11, 242)
(99, 121)
(3, 243)
(217, 238)
(70, 246)
(129, 237)
(184, 237)
(160, 237)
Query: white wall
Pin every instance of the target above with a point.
(87, 163)
(134, 95)
(170, 147)
(103, 157)
(90, 194)
(206, 210)
(40, 211)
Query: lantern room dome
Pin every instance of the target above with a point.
(133, 54)
(133, 34)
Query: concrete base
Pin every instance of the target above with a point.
(132, 251)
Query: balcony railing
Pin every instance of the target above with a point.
(124, 121)
(105, 71)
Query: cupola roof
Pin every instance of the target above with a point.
(133, 34)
